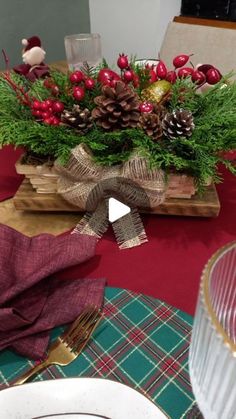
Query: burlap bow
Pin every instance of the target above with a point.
(88, 185)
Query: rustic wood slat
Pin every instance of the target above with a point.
(206, 206)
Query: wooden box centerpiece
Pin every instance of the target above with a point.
(180, 121)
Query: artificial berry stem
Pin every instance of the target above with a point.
(20, 93)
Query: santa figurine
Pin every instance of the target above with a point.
(33, 56)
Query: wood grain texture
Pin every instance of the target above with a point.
(27, 199)
(205, 22)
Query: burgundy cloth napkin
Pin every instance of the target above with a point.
(32, 299)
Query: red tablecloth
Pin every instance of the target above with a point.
(169, 266)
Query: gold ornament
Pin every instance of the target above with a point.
(157, 91)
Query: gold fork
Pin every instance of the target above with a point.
(67, 347)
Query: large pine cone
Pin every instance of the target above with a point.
(80, 119)
(179, 123)
(151, 125)
(117, 107)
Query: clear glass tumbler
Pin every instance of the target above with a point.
(212, 357)
(81, 48)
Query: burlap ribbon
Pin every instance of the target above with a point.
(88, 185)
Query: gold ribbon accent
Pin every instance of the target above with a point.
(88, 185)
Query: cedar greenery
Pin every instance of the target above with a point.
(199, 155)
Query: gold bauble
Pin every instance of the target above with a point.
(157, 91)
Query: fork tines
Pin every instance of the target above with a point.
(81, 328)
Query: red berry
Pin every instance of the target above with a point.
(161, 70)
(105, 76)
(37, 113)
(44, 106)
(55, 90)
(181, 60)
(128, 75)
(213, 76)
(76, 77)
(136, 80)
(58, 106)
(146, 107)
(78, 93)
(89, 83)
(36, 104)
(204, 67)
(185, 72)
(46, 115)
(50, 110)
(48, 83)
(48, 121)
(122, 61)
(55, 121)
(198, 77)
(152, 74)
(49, 102)
(171, 76)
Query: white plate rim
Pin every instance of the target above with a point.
(52, 382)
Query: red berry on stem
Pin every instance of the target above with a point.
(54, 90)
(46, 115)
(185, 72)
(36, 104)
(48, 121)
(48, 83)
(213, 76)
(204, 67)
(89, 83)
(146, 107)
(181, 60)
(55, 121)
(171, 76)
(49, 102)
(78, 93)
(58, 106)
(105, 76)
(161, 70)
(122, 61)
(44, 106)
(135, 80)
(76, 77)
(128, 75)
(198, 77)
(37, 113)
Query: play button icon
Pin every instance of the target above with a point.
(116, 210)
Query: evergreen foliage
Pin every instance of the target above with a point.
(199, 155)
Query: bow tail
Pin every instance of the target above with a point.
(94, 223)
(129, 230)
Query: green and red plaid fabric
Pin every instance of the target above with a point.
(141, 341)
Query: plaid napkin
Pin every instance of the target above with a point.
(32, 299)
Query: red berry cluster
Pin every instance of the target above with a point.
(205, 73)
(127, 74)
(49, 111)
(80, 83)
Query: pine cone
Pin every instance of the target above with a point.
(179, 123)
(151, 125)
(80, 119)
(117, 107)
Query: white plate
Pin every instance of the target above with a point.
(76, 398)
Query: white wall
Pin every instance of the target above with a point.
(131, 26)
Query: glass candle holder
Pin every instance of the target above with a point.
(212, 357)
(83, 48)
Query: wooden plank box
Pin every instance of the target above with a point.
(38, 192)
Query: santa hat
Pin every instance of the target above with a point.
(29, 43)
